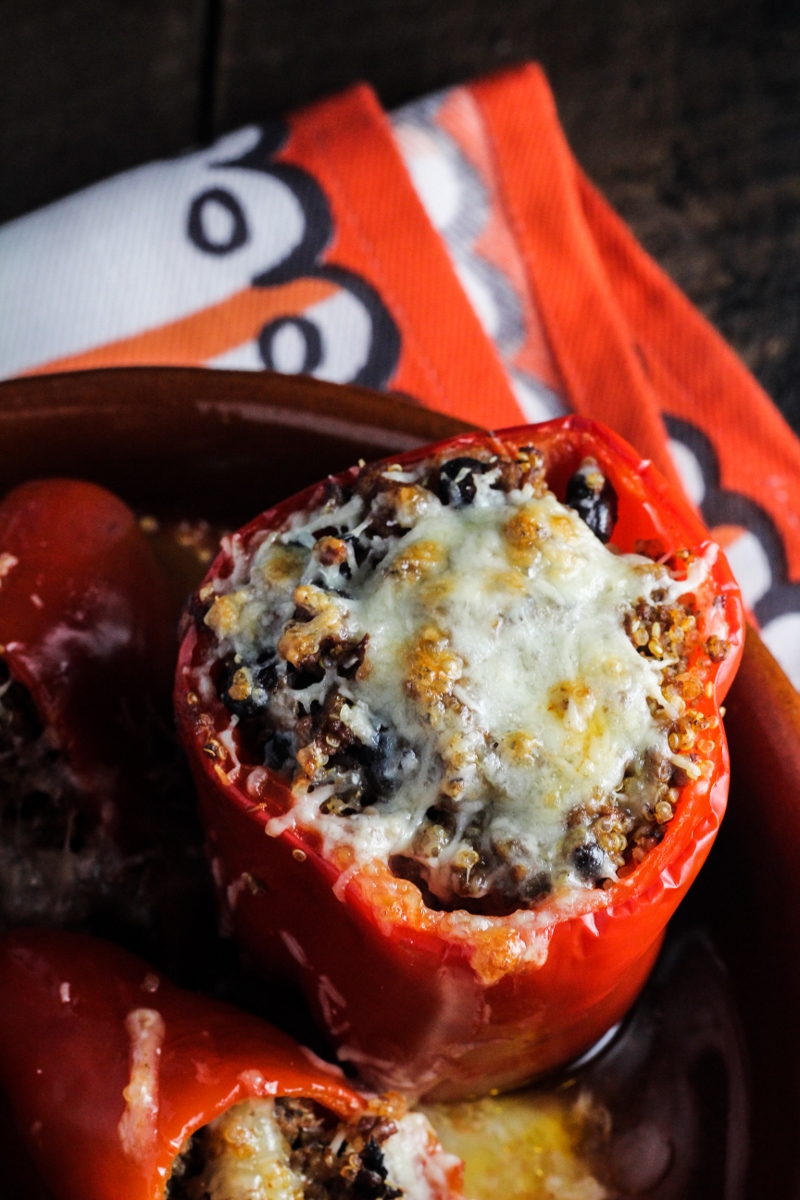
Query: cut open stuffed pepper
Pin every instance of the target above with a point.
(454, 721)
(120, 1086)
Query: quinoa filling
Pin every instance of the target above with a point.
(456, 672)
(291, 1149)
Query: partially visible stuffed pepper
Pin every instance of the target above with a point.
(120, 1086)
(85, 666)
(454, 721)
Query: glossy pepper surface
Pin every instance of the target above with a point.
(446, 1003)
(83, 625)
(107, 1068)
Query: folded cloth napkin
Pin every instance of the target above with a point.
(453, 251)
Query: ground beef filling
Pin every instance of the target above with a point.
(289, 1149)
(303, 675)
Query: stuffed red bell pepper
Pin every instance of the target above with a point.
(454, 721)
(84, 671)
(121, 1086)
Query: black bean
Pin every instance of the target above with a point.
(265, 672)
(301, 678)
(372, 1158)
(457, 480)
(266, 677)
(370, 1182)
(593, 501)
(588, 860)
(381, 765)
(277, 751)
(439, 816)
(385, 761)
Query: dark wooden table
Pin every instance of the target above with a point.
(685, 112)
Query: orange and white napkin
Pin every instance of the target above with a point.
(452, 250)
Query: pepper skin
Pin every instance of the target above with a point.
(70, 1009)
(83, 626)
(442, 1003)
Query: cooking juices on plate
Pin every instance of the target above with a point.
(454, 722)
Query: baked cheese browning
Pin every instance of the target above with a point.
(290, 1149)
(457, 675)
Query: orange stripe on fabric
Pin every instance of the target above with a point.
(586, 328)
(192, 340)
(700, 378)
(726, 535)
(383, 233)
(461, 119)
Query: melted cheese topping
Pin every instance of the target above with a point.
(138, 1125)
(511, 672)
(248, 1157)
(494, 663)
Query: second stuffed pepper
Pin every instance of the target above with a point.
(120, 1086)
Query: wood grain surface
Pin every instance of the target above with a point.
(91, 87)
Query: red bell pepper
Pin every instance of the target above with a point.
(445, 1003)
(108, 1069)
(87, 656)
(83, 627)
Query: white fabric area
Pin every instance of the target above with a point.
(172, 238)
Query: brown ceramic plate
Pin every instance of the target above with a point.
(225, 445)
(222, 445)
